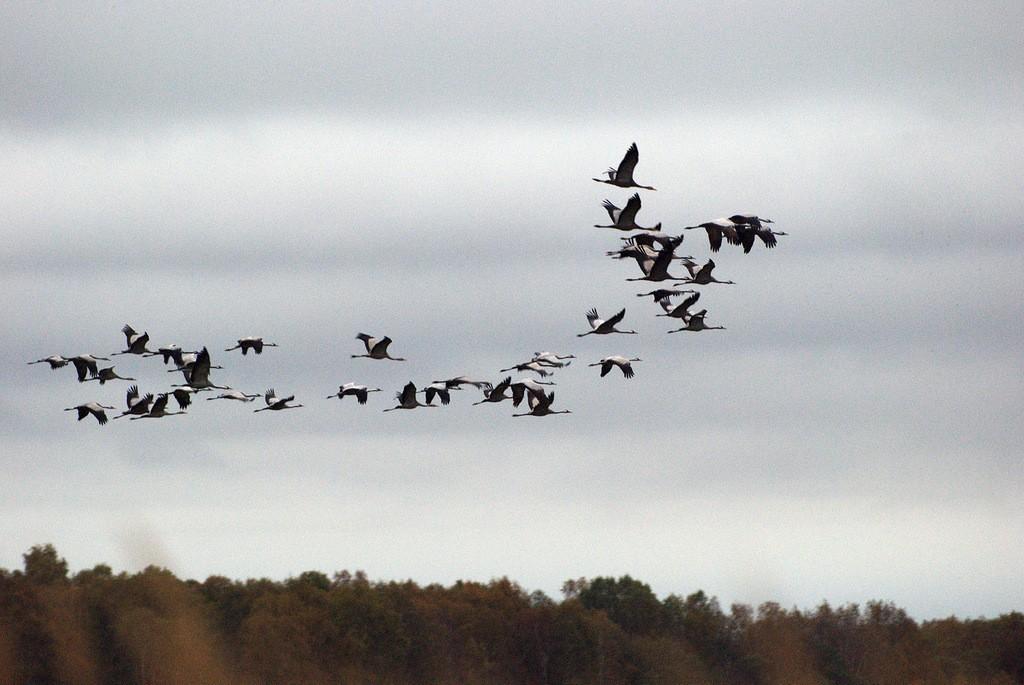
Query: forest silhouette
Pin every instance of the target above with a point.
(97, 627)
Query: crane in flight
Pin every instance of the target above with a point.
(622, 176)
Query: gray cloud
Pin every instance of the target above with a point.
(305, 175)
(96, 63)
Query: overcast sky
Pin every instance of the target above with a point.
(423, 172)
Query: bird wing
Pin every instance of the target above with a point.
(133, 393)
(767, 237)
(612, 210)
(593, 319)
(666, 304)
(82, 367)
(610, 323)
(501, 387)
(662, 261)
(431, 392)
(628, 163)
(408, 394)
(688, 302)
(747, 235)
(705, 271)
(627, 217)
(368, 340)
(200, 368)
(627, 369)
(269, 396)
(159, 405)
(714, 238)
(140, 342)
(362, 394)
(381, 345)
(606, 366)
(182, 397)
(129, 332)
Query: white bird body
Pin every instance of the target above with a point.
(360, 392)
(55, 361)
(554, 360)
(601, 326)
(376, 348)
(236, 395)
(95, 408)
(623, 175)
(624, 364)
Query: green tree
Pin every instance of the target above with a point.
(42, 565)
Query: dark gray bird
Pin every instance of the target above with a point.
(158, 410)
(94, 408)
(438, 390)
(172, 352)
(625, 219)
(137, 405)
(695, 324)
(108, 374)
(407, 398)
(459, 381)
(680, 311)
(600, 326)
(376, 348)
(360, 392)
(702, 276)
(136, 342)
(624, 363)
(251, 343)
(716, 230)
(55, 361)
(541, 406)
(664, 293)
(275, 403)
(623, 175)
(497, 392)
(197, 374)
(86, 364)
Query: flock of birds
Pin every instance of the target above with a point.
(653, 250)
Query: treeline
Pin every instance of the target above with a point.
(152, 628)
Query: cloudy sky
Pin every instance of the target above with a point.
(423, 172)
